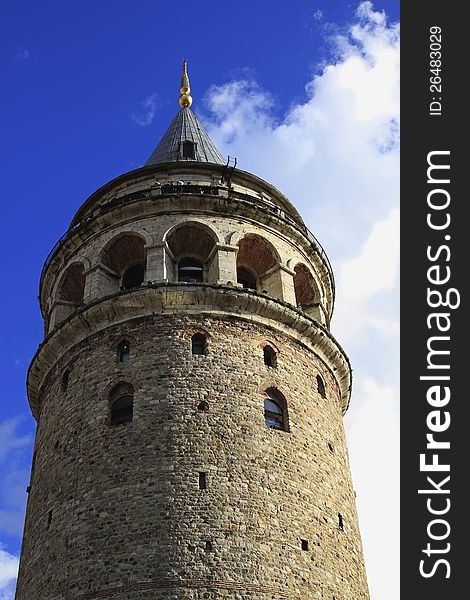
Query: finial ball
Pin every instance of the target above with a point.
(185, 100)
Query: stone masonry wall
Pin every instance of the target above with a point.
(116, 511)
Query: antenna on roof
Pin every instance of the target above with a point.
(229, 169)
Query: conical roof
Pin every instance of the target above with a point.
(185, 127)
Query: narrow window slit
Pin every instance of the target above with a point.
(202, 480)
(65, 381)
(340, 521)
(123, 351)
(208, 546)
(321, 387)
(304, 544)
(49, 518)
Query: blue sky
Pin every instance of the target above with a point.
(90, 87)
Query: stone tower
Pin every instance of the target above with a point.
(189, 395)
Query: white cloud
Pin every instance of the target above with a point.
(376, 267)
(144, 117)
(335, 155)
(375, 471)
(8, 572)
(10, 440)
(373, 271)
(13, 498)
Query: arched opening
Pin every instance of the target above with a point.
(191, 246)
(270, 356)
(307, 293)
(72, 285)
(70, 293)
(121, 402)
(275, 410)
(321, 386)
(198, 344)
(126, 258)
(256, 258)
(306, 289)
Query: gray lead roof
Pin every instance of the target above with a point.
(185, 127)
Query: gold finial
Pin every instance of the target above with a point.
(185, 99)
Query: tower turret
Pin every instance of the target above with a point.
(189, 395)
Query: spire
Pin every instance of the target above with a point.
(185, 138)
(185, 99)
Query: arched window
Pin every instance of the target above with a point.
(123, 351)
(246, 278)
(275, 413)
(190, 270)
(133, 277)
(270, 357)
(321, 387)
(198, 343)
(121, 400)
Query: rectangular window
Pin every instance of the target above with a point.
(188, 150)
